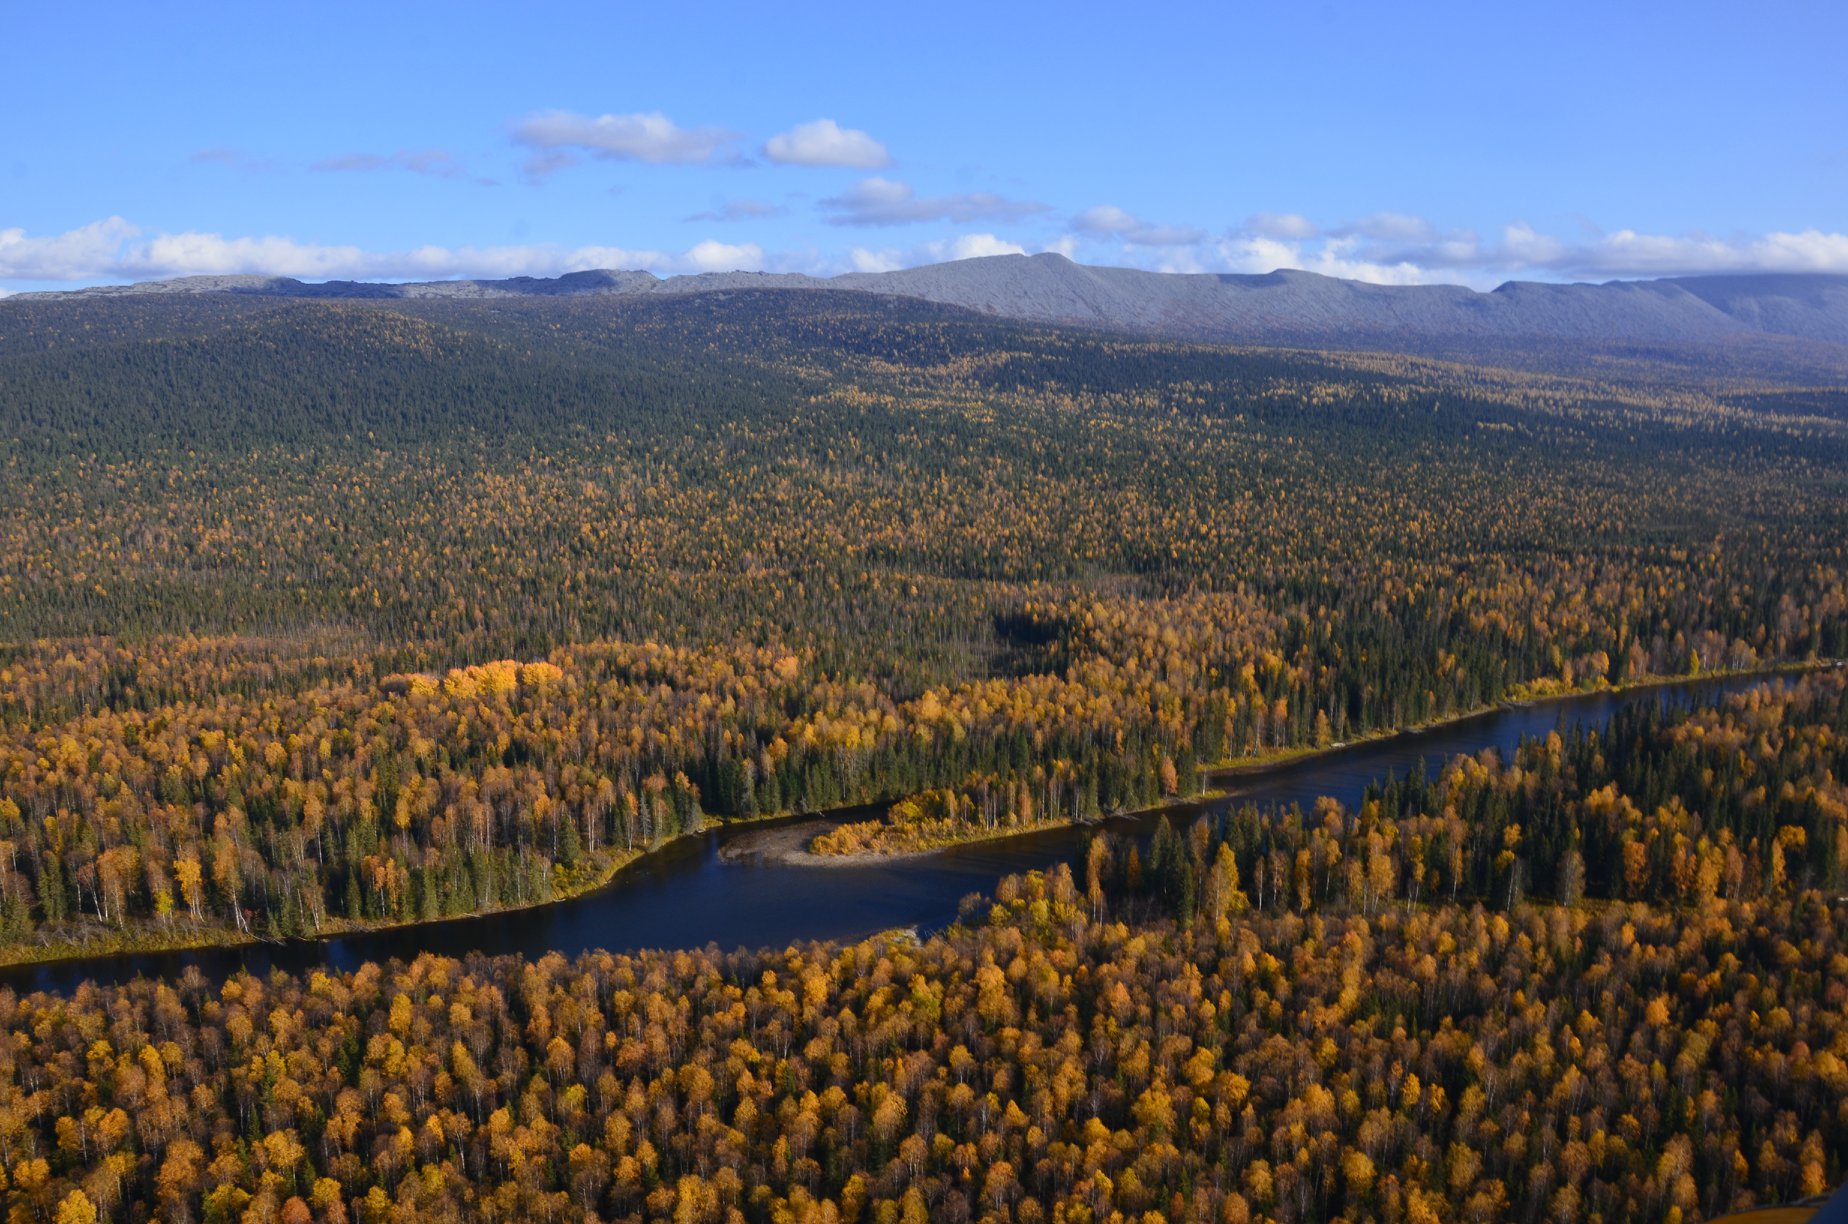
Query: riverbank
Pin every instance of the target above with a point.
(99, 940)
(789, 847)
(1220, 775)
(780, 842)
(1253, 766)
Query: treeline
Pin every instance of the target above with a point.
(1673, 808)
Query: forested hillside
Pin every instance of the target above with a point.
(1790, 325)
(316, 613)
(1348, 1017)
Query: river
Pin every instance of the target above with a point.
(688, 895)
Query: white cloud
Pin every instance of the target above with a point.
(1109, 219)
(974, 246)
(68, 256)
(1389, 227)
(711, 256)
(1526, 253)
(1284, 226)
(826, 143)
(1628, 253)
(1257, 254)
(436, 163)
(882, 201)
(740, 210)
(650, 137)
(887, 260)
(200, 254)
(1525, 246)
(114, 250)
(963, 246)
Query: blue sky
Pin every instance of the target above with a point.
(1465, 143)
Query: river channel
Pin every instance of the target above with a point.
(689, 895)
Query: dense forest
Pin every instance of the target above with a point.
(1352, 1017)
(314, 613)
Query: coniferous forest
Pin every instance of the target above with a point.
(316, 615)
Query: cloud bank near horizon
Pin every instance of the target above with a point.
(116, 250)
(1383, 249)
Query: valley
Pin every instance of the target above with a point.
(435, 640)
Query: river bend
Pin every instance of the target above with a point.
(688, 895)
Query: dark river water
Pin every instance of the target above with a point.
(687, 895)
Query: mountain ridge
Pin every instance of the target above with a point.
(1281, 307)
